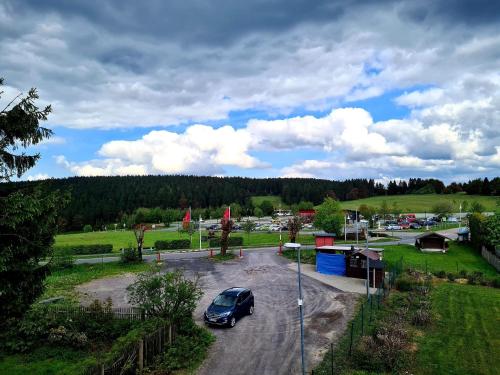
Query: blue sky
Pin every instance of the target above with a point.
(342, 89)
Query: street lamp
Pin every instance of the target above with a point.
(296, 246)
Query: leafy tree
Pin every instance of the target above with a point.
(395, 209)
(442, 209)
(465, 205)
(475, 206)
(294, 227)
(170, 296)
(491, 231)
(236, 211)
(267, 208)
(329, 216)
(87, 228)
(28, 216)
(139, 231)
(384, 209)
(248, 226)
(169, 216)
(476, 225)
(305, 205)
(367, 212)
(258, 212)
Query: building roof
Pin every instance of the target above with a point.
(432, 234)
(348, 248)
(324, 234)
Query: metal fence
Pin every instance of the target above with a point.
(362, 323)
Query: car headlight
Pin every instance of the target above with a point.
(225, 314)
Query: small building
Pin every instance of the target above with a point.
(432, 242)
(358, 261)
(324, 239)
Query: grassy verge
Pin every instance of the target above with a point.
(121, 239)
(222, 258)
(306, 256)
(466, 336)
(459, 257)
(63, 282)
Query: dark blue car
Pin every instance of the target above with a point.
(229, 306)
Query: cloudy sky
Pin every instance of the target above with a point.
(325, 89)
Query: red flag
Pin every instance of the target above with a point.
(227, 214)
(187, 217)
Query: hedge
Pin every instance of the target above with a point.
(233, 241)
(171, 245)
(84, 249)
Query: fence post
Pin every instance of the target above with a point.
(101, 369)
(140, 356)
(371, 309)
(331, 355)
(350, 344)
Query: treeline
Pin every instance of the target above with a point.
(102, 200)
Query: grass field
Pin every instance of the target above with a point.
(274, 199)
(121, 239)
(459, 257)
(423, 202)
(466, 337)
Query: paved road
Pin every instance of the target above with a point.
(268, 341)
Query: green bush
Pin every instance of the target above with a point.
(233, 241)
(129, 255)
(441, 274)
(87, 228)
(463, 274)
(450, 276)
(406, 283)
(475, 278)
(85, 249)
(172, 245)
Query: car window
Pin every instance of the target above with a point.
(244, 295)
(224, 300)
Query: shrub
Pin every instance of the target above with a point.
(463, 274)
(451, 277)
(130, 255)
(421, 317)
(66, 337)
(172, 245)
(233, 241)
(86, 249)
(87, 228)
(475, 278)
(495, 282)
(406, 283)
(441, 274)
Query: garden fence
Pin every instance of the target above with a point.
(362, 323)
(137, 356)
(129, 313)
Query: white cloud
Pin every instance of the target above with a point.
(37, 177)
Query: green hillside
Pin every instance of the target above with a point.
(423, 202)
(274, 199)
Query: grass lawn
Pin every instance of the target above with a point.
(44, 361)
(459, 257)
(120, 239)
(423, 202)
(63, 282)
(466, 338)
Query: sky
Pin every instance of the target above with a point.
(283, 88)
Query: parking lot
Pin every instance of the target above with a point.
(267, 342)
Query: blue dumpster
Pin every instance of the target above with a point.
(330, 264)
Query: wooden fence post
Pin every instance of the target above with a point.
(140, 357)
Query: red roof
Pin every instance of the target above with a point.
(307, 212)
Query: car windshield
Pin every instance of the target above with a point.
(224, 300)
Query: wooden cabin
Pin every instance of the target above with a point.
(432, 242)
(357, 262)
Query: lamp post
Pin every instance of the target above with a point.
(300, 303)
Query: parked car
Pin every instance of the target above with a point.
(229, 306)
(429, 223)
(404, 225)
(415, 226)
(393, 227)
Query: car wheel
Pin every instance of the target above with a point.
(232, 322)
(250, 310)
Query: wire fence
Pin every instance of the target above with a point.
(72, 312)
(363, 323)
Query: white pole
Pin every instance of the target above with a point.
(345, 227)
(357, 239)
(460, 217)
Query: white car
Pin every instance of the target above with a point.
(393, 227)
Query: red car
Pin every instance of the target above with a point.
(404, 225)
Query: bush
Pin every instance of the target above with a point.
(86, 249)
(463, 274)
(64, 337)
(87, 228)
(406, 283)
(451, 277)
(233, 241)
(475, 278)
(441, 274)
(421, 317)
(495, 283)
(130, 255)
(172, 245)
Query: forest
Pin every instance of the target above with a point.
(101, 200)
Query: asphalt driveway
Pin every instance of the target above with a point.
(267, 342)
